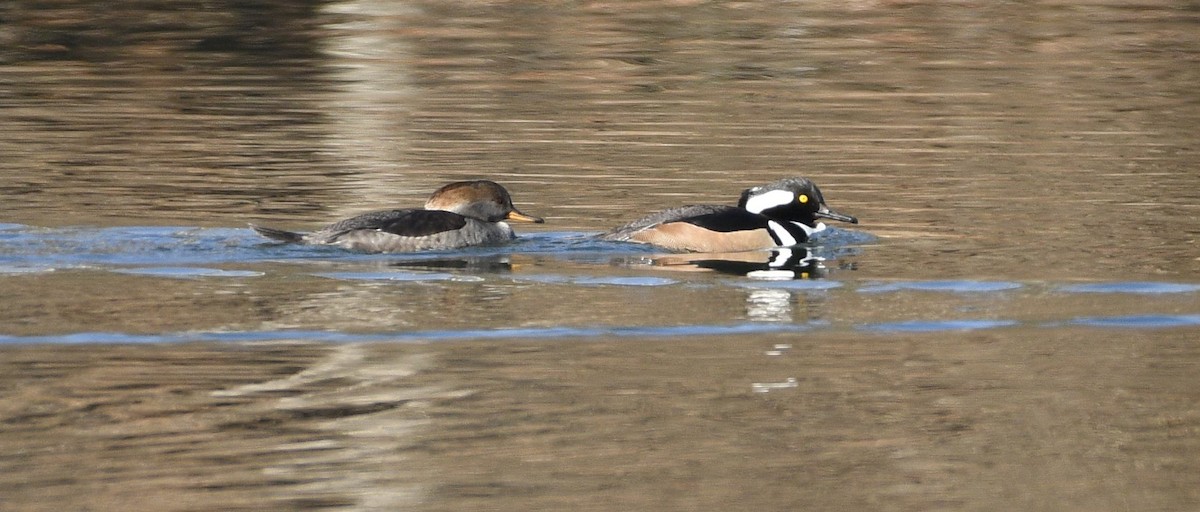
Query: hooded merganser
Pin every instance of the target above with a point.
(778, 214)
(460, 214)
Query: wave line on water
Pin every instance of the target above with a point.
(1148, 321)
(84, 338)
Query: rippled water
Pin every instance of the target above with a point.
(1012, 325)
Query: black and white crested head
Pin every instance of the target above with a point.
(786, 193)
(793, 207)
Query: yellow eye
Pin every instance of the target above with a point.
(803, 198)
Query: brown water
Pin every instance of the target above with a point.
(1013, 325)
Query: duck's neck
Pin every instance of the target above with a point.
(788, 233)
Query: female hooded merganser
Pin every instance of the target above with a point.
(779, 214)
(460, 214)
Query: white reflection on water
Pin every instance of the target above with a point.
(767, 387)
(769, 305)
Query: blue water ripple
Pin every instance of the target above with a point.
(388, 276)
(914, 326)
(834, 235)
(1134, 287)
(597, 280)
(937, 325)
(942, 286)
(415, 336)
(1139, 321)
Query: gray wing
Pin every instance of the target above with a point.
(406, 222)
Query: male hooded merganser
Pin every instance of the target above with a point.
(778, 214)
(460, 214)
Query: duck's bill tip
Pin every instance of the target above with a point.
(516, 215)
(832, 215)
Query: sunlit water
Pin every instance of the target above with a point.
(1013, 324)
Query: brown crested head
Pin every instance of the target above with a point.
(480, 199)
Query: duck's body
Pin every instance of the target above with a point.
(698, 228)
(461, 214)
(778, 214)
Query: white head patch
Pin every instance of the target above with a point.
(768, 200)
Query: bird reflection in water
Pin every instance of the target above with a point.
(489, 264)
(783, 263)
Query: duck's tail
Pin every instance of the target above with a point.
(278, 235)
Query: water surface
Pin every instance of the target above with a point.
(1012, 325)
